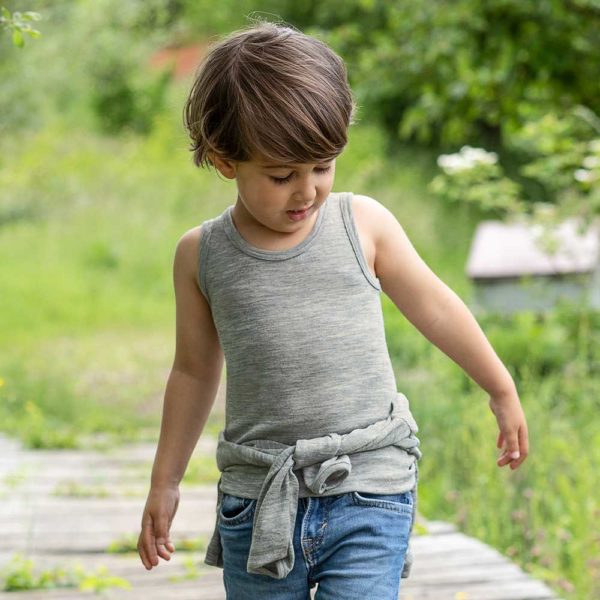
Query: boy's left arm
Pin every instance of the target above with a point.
(443, 318)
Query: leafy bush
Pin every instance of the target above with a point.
(119, 102)
(451, 72)
(561, 153)
(109, 85)
(532, 342)
(473, 175)
(19, 23)
(539, 515)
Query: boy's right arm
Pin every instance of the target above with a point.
(189, 396)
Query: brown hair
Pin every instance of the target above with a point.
(269, 91)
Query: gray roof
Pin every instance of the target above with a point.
(510, 250)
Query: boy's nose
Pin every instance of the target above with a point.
(307, 193)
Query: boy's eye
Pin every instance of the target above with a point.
(282, 180)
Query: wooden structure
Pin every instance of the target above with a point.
(55, 530)
(512, 271)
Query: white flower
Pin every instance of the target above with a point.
(583, 175)
(453, 163)
(466, 159)
(479, 155)
(590, 162)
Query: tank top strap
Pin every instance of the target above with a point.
(352, 231)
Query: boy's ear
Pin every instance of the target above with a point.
(224, 166)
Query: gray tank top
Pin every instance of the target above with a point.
(303, 337)
(301, 329)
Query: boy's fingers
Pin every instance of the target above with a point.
(503, 460)
(524, 441)
(142, 553)
(524, 448)
(515, 450)
(162, 539)
(512, 446)
(163, 551)
(148, 543)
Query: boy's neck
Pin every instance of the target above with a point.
(260, 236)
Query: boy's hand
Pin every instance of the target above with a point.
(513, 437)
(159, 511)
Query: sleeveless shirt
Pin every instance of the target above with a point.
(311, 405)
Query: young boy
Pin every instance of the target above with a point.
(318, 456)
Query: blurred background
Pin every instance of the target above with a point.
(468, 111)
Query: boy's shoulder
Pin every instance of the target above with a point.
(187, 249)
(190, 240)
(367, 204)
(369, 215)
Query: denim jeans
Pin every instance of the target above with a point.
(352, 545)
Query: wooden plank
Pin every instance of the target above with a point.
(68, 530)
(531, 590)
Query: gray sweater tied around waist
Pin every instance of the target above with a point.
(324, 463)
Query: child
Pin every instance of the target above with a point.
(318, 456)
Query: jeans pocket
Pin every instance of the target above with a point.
(399, 501)
(235, 510)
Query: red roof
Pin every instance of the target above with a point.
(185, 59)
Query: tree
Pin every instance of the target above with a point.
(19, 23)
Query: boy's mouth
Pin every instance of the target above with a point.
(297, 215)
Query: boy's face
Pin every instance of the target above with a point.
(268, 191)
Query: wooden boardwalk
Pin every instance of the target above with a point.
(58, 530)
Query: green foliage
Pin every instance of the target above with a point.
(19, 23)
(449, 73)
(110, 85)
(102, 255)
(562, 154)
(472, 175)
(204, 18)
(44, 407)
(128, 544)
(192, 544)
(531, 342)
(539, 515)
(122, 92)
(118, 96)
(202, 469)
(100, 580)
(191, 570)
(38, 409)
(19, 575)
(512, 511)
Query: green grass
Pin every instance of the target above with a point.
(540, 515)
(21, 574)
(88, 227)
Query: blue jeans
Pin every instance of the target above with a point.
(353, 545)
